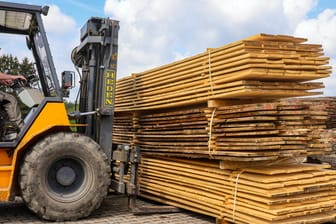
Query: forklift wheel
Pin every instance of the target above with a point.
(64, 177)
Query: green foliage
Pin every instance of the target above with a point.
(26, 67)
(70, 106)
(10, 64)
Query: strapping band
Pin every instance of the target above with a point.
(235, 196)
(210, 132)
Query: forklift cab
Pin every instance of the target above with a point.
(25, 20)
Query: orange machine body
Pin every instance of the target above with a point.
(50, 116)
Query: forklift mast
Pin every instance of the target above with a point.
(97, 57)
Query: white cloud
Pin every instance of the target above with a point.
(330, 82)
(243, 12)
(14, 45)
(58, 22)
(321, 30)
(296, 11)
(63, 36)
(153, 32)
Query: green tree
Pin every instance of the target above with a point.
(26, 67)
(10, 64)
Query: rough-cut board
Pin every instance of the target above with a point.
(256, 67)
(287, 193)
(250, 132)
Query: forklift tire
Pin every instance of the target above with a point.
(64, 177)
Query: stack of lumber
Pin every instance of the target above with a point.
(251, 132)
(289, 128)
(327, 104)
(174, 132)
(123, 128)
(262, 66)
(287, 193)
(201, 123)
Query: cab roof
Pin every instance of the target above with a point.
(17, 18)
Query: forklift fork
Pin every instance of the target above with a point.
(129, 159)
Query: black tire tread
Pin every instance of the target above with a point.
(37, 203)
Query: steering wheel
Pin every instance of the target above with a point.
(18, 83)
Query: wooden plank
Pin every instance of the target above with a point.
(242, 65)
(250, 132)
(262, 197)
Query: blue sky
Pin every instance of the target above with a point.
(156, 32)
(322, 5)
(80, 10)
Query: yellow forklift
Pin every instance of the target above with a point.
(63, 174)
